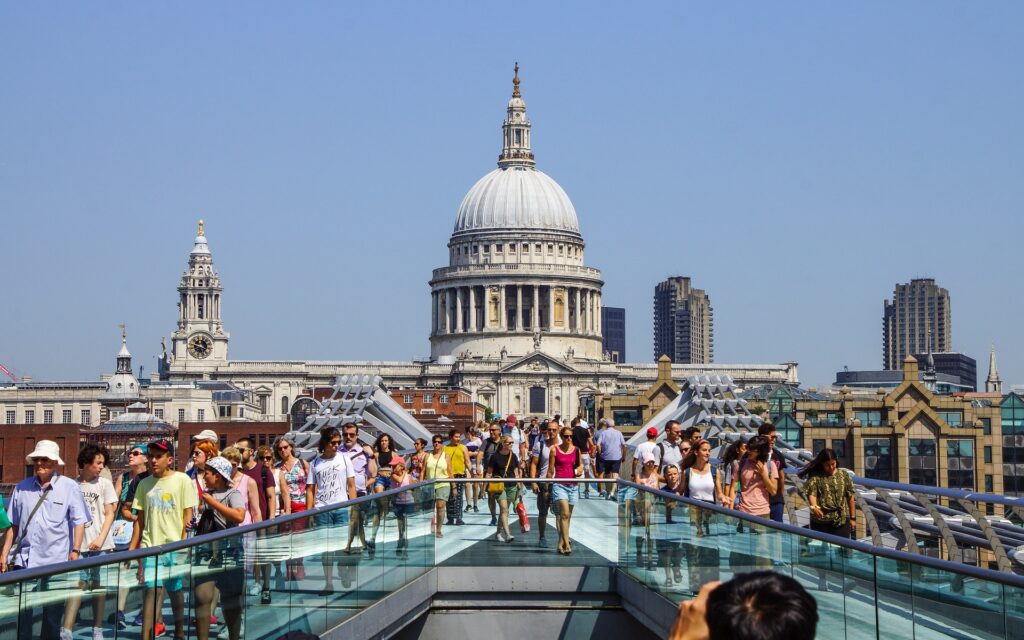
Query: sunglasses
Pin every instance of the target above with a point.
(350, 434)
(438, 441)
(140, 453)
(266, 458)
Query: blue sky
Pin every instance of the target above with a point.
(795, 159)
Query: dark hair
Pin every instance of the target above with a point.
(762, 605)
(248, 442)
(758, 449)
(732, 452)
(668, 425)
(326, 434)
(690, 431)
(765, 428)
(423, 443)
(89, 453)
(452, 432)
(391, 444)
(690, 458)
(816, 467)
(575, 422)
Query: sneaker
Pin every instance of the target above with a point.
(468, 508)
(494, 521)
(254, 590)
(225, 633)
(543, 542)
(501, 537)
(510, 538)
(476, 509)
(160, 630)
(66, 635)
(460, 522)
(97, 633)
(120, 621)
(265, 596)
(213, 619)
(602, 495)
(137, 622)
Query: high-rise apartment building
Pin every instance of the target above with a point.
(683, 322)
(917, 320)
(613, 332)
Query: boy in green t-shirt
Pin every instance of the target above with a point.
(165, 502)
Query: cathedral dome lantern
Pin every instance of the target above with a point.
(123, 386)
(516, 280)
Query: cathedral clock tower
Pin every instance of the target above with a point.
(199, 345)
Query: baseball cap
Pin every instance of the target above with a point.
(162, 444)
(649, 457)
(205, 434)
(221, 465)
(652, 431)
(512, 419)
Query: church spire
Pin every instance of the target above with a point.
(992, 383)
(516, 149)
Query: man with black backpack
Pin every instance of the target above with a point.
(669, 451)
(487, 451)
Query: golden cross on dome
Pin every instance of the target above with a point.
(200, 232)
(515, 83)
(124, 331)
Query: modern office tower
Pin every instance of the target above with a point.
(613, 325)
(917, 320)
(683, 322)
(961, 366)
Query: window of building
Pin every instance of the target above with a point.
(989, 486)
(444, 398)
(285, 405)
(181, 415)
(65, 416)
(407, 398)
(960, 463)
(526, 248)
(626, 417)
(1012, 410)
(428, 398)
(11, 417)
(952, 418)
(839, 446)
(986, 425)
(988, 455)
(878, 458)
(201, 415)
(551, 249)
(47, 416)
(538, 400)
(780, 403)
(817, 446)
(86, 416)
(428, 412)
(241, 412)
(30, 416)
(159, 413)
(511, 248)
(922, 461)
(498, 248)
(868, 418)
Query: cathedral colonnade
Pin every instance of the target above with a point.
(516, 307)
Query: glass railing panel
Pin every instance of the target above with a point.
(894, 592)
(821, 568)
(860, 603)
(1013, 611)
(167, 591)
(944, 601)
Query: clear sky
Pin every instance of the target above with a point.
(795, 159)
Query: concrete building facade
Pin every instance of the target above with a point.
(683, 322)
(918, 319)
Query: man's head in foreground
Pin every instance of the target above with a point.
(762, 605)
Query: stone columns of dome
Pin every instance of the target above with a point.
(590, 311)
(459, 326)
(535, 312)
(433, 313)
(599, 327)
(519, 307)
(449, 311)
(576, 320)
(472, 308)
(551, 308)
(502, 313)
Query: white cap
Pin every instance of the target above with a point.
(45, 449)
(206, 434)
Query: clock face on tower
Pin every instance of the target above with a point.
(199, 346)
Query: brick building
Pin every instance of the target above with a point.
(19, 440)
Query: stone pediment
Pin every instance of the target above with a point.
(537, 362)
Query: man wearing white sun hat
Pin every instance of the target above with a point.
(48, 517)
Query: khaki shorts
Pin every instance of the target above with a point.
(442, 491)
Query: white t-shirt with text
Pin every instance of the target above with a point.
(330, 476)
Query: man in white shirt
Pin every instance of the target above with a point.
(331, 480)
(540, 458)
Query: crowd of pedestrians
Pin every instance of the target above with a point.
(53, 519)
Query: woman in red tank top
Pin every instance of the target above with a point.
(566, 462)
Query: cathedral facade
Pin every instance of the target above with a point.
(515, 315)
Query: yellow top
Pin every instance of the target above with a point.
(436, 467)
(458, 460)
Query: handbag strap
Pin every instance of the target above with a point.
(507, 463)
(24, 530)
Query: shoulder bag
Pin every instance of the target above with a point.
(498, 487)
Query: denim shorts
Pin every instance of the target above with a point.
(337, 517)
(92, 575)
(568, 493)
(163, 571)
